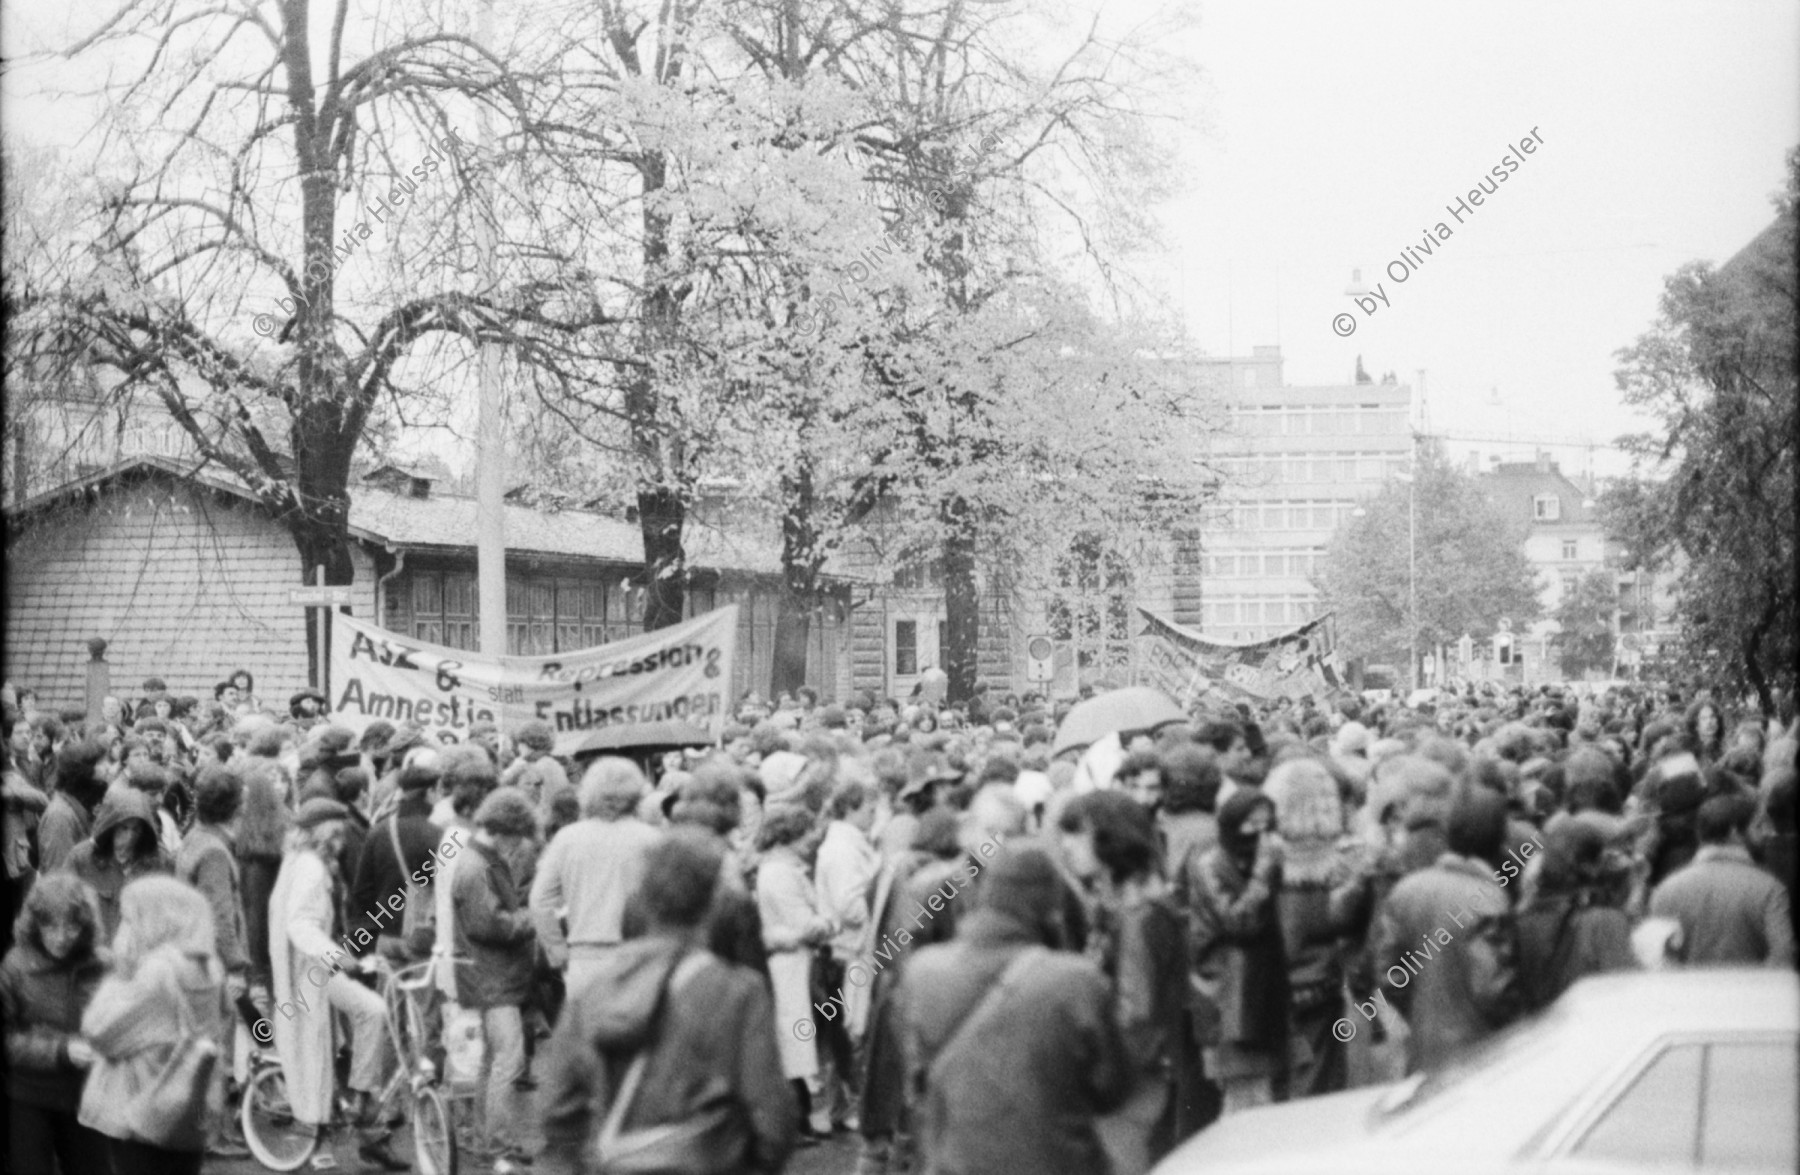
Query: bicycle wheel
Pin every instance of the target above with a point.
(279, 1141)
(433, 1133)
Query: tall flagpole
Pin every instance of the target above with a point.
(490, 433)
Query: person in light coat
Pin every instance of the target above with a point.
(846, 870)
(166, 982)
(792, 925)
(309, 985)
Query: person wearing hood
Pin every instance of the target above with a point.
(1566, 927)
(686, 1041)
(1239, 959)
(69, 818)
(1013, 1044)
(123, 848)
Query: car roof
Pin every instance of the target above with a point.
(1699, 999)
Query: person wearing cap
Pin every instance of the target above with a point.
(1013, 1045)
(588, 873)
(311, 984)
(495, 947)
(394, 852)
(307, 708)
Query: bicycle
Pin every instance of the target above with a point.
(281, 1142)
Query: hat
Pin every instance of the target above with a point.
(319, 810)
(926, 768)
(315, 695)
(405, 737)
(780, 771)
(1352, 738)
(375, 736)
(329, 741)
(507, 811)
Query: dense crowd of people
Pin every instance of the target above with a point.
(901, 919)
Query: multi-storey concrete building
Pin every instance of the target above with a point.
(1296, 463)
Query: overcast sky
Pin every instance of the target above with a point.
(1337, 133)
(1341, 130)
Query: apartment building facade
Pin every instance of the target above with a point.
(1295, 464)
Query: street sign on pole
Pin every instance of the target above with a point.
(320, 597)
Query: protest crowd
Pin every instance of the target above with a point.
(902, 920)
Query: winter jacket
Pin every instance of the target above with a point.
(1563, 937)
(1238, 955)
(381, 876)
(25, 806)
(1017, 1086)
(1431, 950)
(712, 1048)
(92, 860)
(493, 931)
(43, 1001)
(1731, 912)
(134, 1024)
(206, 862)
(66, 823)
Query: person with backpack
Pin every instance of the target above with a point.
(1444, 939)
(394, 856)
(669, 1054)
(1014, 1045)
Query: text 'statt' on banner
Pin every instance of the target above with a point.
(678, 674)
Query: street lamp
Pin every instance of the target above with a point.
(1412, 573)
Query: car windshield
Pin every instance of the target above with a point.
(1502, 1049)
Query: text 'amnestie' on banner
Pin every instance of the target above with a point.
(678, 674)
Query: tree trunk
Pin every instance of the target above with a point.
(962, 614)
(662, 511)
(661, 514)
(800, 564)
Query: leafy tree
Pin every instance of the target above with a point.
(1585, 639)
(1471, 562)
(306, 173)
(1713, 494)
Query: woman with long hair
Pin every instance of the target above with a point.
(46, 982)
(166, 984)
(1705, 728)
(1139, 939)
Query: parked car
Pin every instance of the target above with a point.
(1695, 1070)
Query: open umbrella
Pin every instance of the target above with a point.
(636, 735)
(1133, 709)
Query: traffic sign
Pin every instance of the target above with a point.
(1040, 654)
